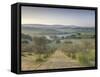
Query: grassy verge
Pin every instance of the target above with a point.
(82, 50)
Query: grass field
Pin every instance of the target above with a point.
(70, 53)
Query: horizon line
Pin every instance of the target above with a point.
(59, 24)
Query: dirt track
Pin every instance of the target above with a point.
(57, 60)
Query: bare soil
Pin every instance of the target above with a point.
(55, 61)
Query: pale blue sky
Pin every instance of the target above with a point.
(52, 16)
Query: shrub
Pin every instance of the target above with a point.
(42, 47)
(25, 41)
(25, 36)
(39, 60)
(86, 58)
(70, 49)
(68, 42)
(58, 41)
(82, 51)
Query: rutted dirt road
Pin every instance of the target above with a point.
(57, 60)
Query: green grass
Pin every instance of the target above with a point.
(82, 50)
(87, 58)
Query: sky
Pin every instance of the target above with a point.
(54, 16)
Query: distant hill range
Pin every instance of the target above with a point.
(44, 26)
(54, 29)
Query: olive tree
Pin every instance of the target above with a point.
(41, 47)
